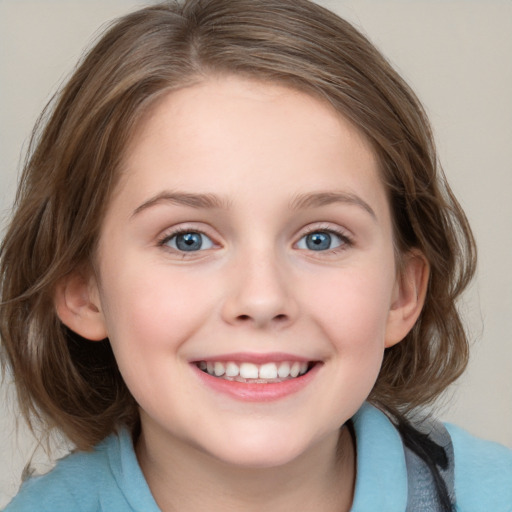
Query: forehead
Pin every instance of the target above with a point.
(222, 133)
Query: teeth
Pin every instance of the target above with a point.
(284, 370)
(232, 370)
(294, 371)
(268, 371)
(219, 369)
(248, 371)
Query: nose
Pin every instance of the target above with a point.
(260, 293)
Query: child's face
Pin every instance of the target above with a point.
(250, 226)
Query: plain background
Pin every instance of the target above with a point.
(457, 55)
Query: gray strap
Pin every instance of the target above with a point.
(422, 494)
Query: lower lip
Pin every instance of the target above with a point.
(248, 392)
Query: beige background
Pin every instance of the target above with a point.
(457, 54)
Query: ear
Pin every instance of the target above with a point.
(408, 297)
(77, 303)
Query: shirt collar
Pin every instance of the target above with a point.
(381, 478)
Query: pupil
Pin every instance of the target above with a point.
(189, 242)
(318, 241)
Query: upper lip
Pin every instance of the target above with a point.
(255, 358)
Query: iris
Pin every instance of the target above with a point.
(318, 241)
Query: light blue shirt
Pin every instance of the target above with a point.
(109, 478)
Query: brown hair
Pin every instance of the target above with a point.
(73, 164)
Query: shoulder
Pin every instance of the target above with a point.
(482, 469)
(83, 481)
(65, 487)
(483, 473)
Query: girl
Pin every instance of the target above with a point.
(231, 275)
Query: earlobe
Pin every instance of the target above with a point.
(409, 297)
(77, 304)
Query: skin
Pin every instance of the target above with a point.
(269, 155)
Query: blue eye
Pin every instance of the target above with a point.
(321, 241)
(189, 241)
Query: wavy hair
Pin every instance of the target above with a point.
(73, 167)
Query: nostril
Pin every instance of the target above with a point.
(278, 318)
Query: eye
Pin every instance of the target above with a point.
(188, 241)
(322, 241)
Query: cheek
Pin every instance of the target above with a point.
(150, 315)
(148, 306)
(349, 311)
(352, 308)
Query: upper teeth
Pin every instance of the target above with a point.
(265, 371)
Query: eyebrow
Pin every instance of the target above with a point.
(207, 201)
(318, 199)
(212, 201)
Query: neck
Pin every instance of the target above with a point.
(185, 479)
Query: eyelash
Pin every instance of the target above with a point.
(346, 240)
(180, 231)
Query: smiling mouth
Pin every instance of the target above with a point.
(246, 372)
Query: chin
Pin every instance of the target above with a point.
(260, 459)
(260, 450)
